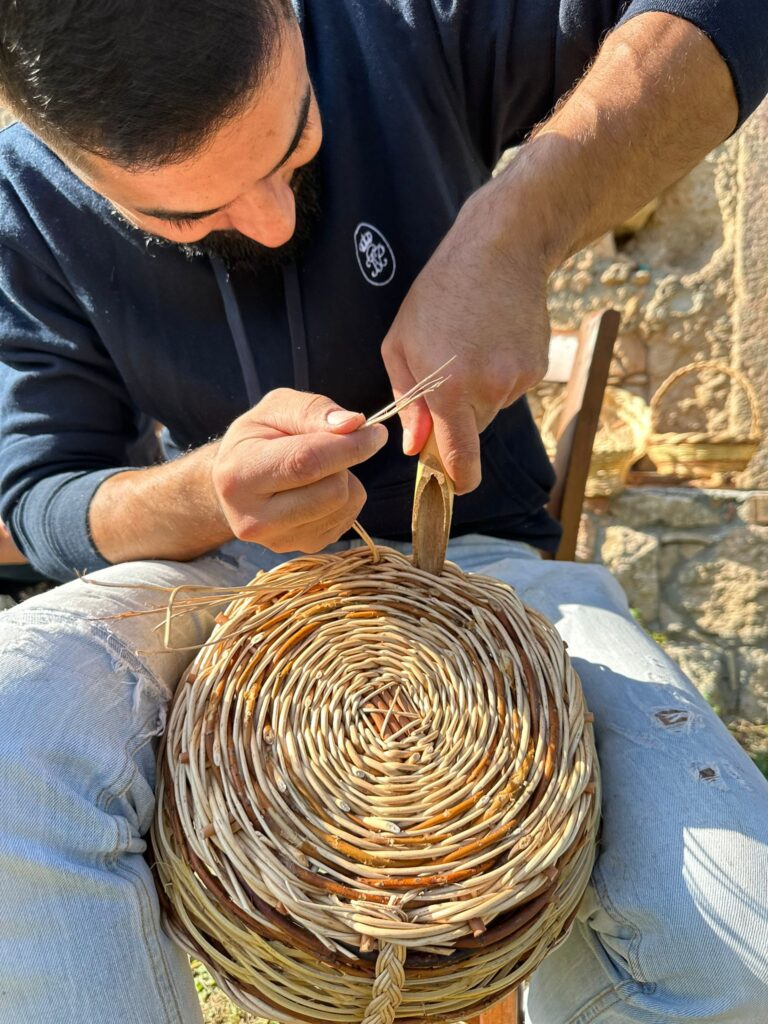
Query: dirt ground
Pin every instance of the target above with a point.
(753, 737)
(217, 1009)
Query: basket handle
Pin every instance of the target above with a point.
(432, 509)
(711, 364)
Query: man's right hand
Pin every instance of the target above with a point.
(281, 472)
(279, 477)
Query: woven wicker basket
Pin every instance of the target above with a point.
(378, 793)
(621, 438)
(706, 457)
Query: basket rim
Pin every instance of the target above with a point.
(701, 440)
(755, 429)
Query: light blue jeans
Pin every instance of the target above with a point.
(674, 926)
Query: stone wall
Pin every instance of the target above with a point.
(689, 275)
(750, 311)
(694, 565)
(689, 278)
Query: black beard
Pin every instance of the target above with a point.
(239, 252)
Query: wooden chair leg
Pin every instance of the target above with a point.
(504, 1012)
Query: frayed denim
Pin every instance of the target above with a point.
(673, 927)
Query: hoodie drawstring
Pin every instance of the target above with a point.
(295, 313)
(295, 310)
(237, 329)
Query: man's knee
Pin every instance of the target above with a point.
(691, 946)
(79, 723)
(85, 680)
(130, 602)
(623, 970)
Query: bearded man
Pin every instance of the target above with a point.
(252, 221)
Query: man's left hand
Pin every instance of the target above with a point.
(477, 301)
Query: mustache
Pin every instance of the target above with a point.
(238, 252)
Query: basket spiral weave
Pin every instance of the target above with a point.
(378, 794)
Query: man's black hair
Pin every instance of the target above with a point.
(140, 82)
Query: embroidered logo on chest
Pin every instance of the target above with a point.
(374, 255)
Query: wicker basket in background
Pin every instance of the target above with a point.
(621, 439)
(706, 457)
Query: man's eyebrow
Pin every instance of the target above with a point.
(301, 125)
(177, 214)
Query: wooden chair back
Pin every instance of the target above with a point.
(581, 361)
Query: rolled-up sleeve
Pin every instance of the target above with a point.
(738, 29)
(512, 62)
(66, 421)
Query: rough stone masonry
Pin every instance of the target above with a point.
(690, 277)
(694, 565)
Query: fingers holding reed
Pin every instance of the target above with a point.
(281, 474)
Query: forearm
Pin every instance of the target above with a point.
(168, 511)
(658, 98)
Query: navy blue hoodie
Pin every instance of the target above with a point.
(102, 332)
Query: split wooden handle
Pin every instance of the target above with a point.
(432, 510)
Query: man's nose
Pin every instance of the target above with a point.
(267, 214)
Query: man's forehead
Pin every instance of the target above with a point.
(247, 148)
(171, 212)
